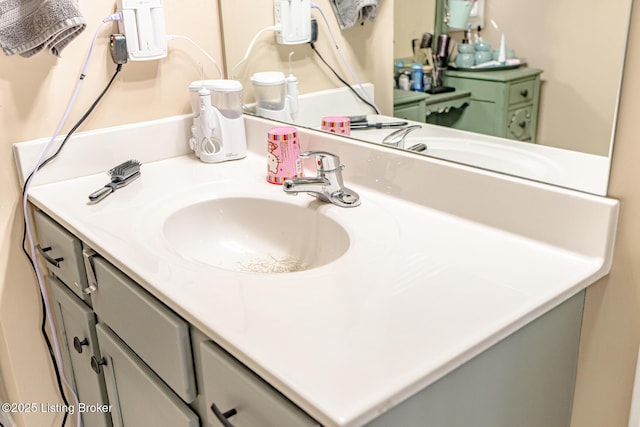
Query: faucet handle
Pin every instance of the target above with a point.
(325, 161)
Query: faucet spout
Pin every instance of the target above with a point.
(396, 138)
(315, 185)
(327, 185)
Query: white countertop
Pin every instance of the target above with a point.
(420, 291)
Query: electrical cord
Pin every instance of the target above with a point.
(250, 47)
(24, 236)
(335, 73)
(54, 348)
(344, 60)
(171, 37)
(64, 141)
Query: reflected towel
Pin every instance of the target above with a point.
(28, 26)
(349, 12)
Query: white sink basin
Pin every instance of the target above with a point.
(255, 235)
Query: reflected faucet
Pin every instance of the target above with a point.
(396, 138)
(327, 185)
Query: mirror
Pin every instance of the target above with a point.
(578, 89)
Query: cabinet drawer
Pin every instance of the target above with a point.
(230, 385)
(481, 90)
(522, 92)
(62, 252)
(409, 113)
(137, 396)
(154, 332)
(77, 327)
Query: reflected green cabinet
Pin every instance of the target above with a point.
(503, 103)
(426, 108)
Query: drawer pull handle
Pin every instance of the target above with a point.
(87, 255)
(522, 124)
(524, 93)
(223, 416)
(95, 364)
(77, 344)
(53, 261)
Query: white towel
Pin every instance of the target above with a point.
(28, 26)
(349, 12)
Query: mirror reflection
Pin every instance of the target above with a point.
(563, 95)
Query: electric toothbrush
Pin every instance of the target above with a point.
(502, 52)
(292, 91)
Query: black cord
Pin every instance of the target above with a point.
(343, 81)
(24, 237)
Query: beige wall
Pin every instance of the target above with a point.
(33, 93)
(242, 23)
(411, 20)
(611, 331)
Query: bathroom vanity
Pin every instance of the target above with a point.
(503, 103)
(448, 297)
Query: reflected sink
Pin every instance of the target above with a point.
(499, 157)
(255, 235)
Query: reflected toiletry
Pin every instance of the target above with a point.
(440, 65)
(381, 125)
(483, 52)
(404, 81)
(466, 55)
(283, 149)
(509, 54)
(416, 77)
(276, 95)
(337, 124)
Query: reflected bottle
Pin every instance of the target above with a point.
(417, 77)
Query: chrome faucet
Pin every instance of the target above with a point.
(396, 138)
(327, 185)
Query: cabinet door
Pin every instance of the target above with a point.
(241, 396)
(136, 394)
(154, 332)
(77, 324)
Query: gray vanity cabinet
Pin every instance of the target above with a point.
(137, 395)
(62, 253)
(154, 332)
(233, 393)
(125, 348)
(77, 326)
(525, 380)
(75, 321)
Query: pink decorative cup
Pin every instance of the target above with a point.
(282, 155)
(337, 124)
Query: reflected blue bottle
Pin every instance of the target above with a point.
(416, 77)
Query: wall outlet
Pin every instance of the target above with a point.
(143, 26)
(294, 19)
